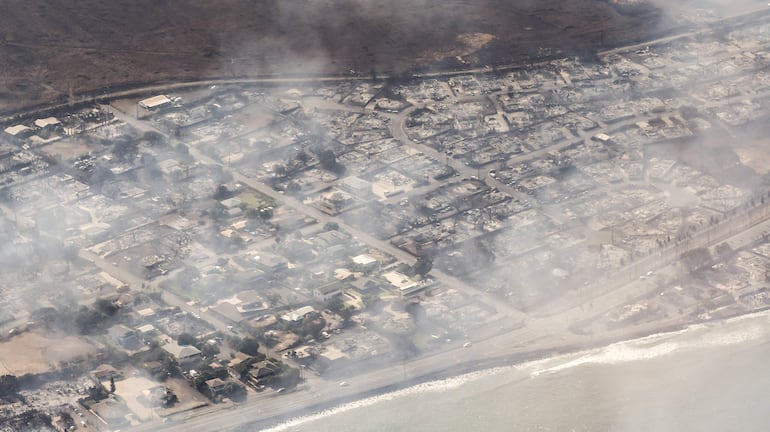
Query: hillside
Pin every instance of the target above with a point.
(54, 48)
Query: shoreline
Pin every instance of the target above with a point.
(541, 340)
(512, 360)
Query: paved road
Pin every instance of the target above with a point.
(135, 281)
(106, 94)
(543, 334)
(606, 293)
(323, 218)
(551, 329)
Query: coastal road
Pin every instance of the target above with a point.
(738, 230)
(746, 13)
(519, 341)
(452, 362)
(543, 335)
(540, 333)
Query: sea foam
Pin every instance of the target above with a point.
(732, 331)
(423, 388)
(726, 332)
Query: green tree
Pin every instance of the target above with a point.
(696, 259)
(248, 345)
(155, 138)
(312, 325)
(302, 157)
(106, 307)
(112, 384)
(273, 298)
(100, 176)
(287, 377)
(266, 213)
(337, 306)
(423, 265)
(87, 320)
(125, 149)
(280, 171)
(327, 159)
(186, 339)
(221, 193)
(262, 213)
(724, 251)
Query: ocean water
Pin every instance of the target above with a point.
(708, 377)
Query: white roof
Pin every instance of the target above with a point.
(231, 202)
(603, 137)
(364, 259)
(399, 280)
(188, 351)
(15, 130)
(154, 101)
(342, 273)
(298, 314)
(147, 328)
(146, 312)
(356, 183)
(48, 121)
(180, 351)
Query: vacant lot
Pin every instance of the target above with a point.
(32, 353)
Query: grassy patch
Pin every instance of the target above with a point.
(255, 200)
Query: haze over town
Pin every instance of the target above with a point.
(212, 229)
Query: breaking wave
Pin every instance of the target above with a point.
(423, 388)
(726, 332)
